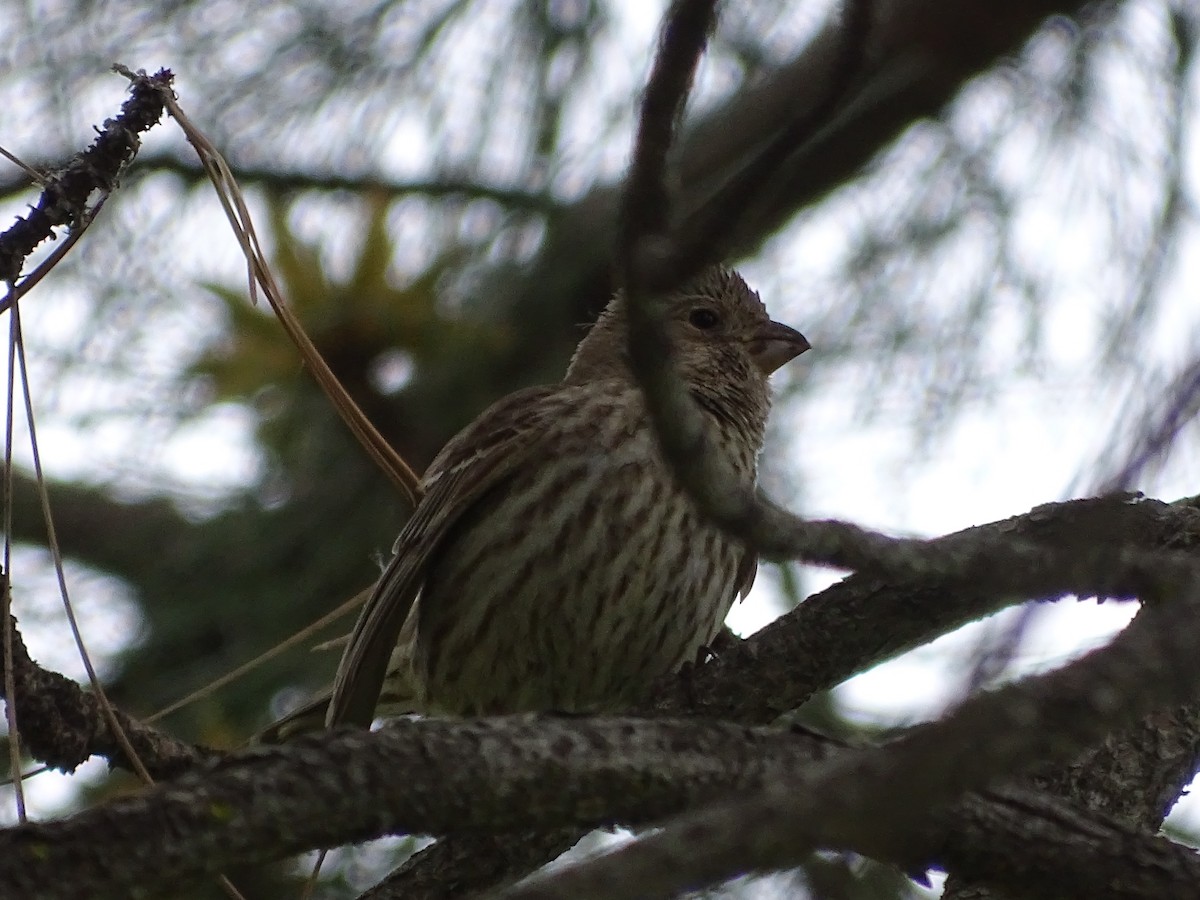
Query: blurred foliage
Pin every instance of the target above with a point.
(433, 179)
(378, 332)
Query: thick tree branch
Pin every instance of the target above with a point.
(488, 775)
(62, 725)
(343, 786)
(1039, 846)
(874, 801)
(845, 629)
(865, 620)
(1134, 775)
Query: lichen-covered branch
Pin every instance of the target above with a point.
(62, 724)
(847, 628)
(843, 630)
(66, 191)
(874, 801)
(486, 776)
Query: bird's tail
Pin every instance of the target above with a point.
(399, 698)
(310, 717)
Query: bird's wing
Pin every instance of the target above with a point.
(747, 569)
(476, 459)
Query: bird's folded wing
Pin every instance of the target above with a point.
(474, 461)
(747, 569)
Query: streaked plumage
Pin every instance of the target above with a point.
(553, 562)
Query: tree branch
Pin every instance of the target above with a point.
(847, 628)
(62, 725)
(874, 801)
(66, 191)
(492, 776)
(864, 620)
(1134, 776)
(297, 180)
(1040, 846)
(331, 788)
(831, 636)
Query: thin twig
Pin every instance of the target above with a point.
(288, 643)
(703, 239)
(35, 176)
(10, 681)
(259, 275)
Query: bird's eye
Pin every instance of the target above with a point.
(704, 318)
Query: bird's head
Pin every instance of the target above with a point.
(724, 347)
(719, 331)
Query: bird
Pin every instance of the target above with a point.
(554, 563)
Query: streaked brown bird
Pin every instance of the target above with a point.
(554, 563)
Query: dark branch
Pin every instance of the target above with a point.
(496, 776)
(844, 630)
(875, 801)
(64, 198)
(331, 788)
(62, 725)
(817, 645)
(647, 202)
(299, 180)
(706, 236)
(1040, 847)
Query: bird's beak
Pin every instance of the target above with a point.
(775, 344)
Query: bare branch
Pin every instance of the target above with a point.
(833, 635)
(647, 203)
(65, 198)
(815, 646)
(281, 179)
(1038, 846)
(874, 801)
(62, 725)
(494, 776)
(326, 789)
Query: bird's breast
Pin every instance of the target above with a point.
(574, 583)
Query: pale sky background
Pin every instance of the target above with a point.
(1028, 447)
